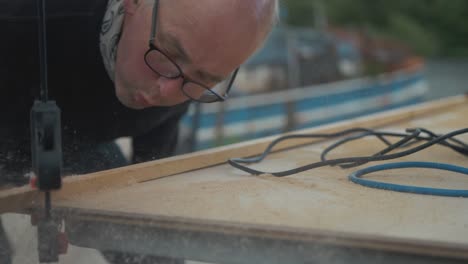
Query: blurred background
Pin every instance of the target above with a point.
(332, 60)
(325, 61)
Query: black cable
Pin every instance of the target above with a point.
(43, 92)
(235, 162)
(41, 19)
(463, 146)
(297, 136)
(459, 149)
(405, 141)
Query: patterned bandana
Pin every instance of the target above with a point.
(111, 29)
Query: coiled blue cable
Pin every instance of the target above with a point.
(356, 178)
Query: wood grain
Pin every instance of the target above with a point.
(320, 199)
(16, 200)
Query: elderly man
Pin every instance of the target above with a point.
(119, 68)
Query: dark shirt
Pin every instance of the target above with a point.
(78, 82)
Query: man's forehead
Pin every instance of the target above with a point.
(170, 40)
(205, 30)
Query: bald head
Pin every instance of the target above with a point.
(266, 12)
(229, 24)
(257, 15)
(207, 39)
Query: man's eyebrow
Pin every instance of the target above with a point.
(170, 40)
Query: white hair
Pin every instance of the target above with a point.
(273, 12)
(267, 14)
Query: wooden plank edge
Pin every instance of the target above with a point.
(73, 216)
(17, 199)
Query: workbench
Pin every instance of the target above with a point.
(198, 207)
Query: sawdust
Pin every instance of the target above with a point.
(289, 180)
(316, 199)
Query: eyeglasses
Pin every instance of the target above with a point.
(164, 66)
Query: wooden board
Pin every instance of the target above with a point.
(19, 199)
(204, 189)
(317, 199)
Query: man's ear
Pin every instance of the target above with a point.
(130, 6)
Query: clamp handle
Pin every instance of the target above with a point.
(46, 145)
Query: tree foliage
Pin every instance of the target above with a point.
(430, 27)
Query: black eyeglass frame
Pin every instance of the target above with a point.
(209, 95)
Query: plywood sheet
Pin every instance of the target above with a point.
(320, 199)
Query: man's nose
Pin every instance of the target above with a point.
(170, 86)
